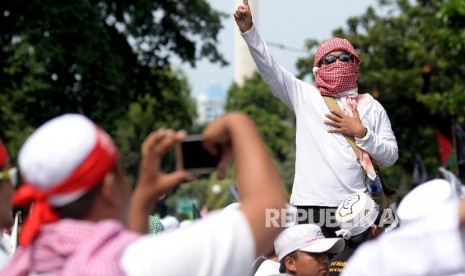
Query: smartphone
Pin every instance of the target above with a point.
(192, 156)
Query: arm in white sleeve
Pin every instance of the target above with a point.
(431, 246)
(380, 142)
(282, 84)
(221, 244)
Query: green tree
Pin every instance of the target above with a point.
(86, 57)
(109, 60)
(25, 75)
(274, 120)
(167, 110)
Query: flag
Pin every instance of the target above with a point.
(460, 151)
(445, 150)
(419, 174)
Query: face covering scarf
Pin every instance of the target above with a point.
(336, 77)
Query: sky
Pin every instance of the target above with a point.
(287, 23)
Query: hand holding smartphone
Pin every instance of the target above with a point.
(193, 157)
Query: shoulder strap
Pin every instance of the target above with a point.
(332, 105)
(390, 194)
(256, 265)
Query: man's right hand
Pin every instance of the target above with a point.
(243, 17)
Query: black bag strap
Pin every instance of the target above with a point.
(256, 265)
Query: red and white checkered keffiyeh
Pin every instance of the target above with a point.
(336, 77)
(72, 247)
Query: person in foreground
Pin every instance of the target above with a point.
(81, 200)
(303, 250)
(327, 169)
(430, 245)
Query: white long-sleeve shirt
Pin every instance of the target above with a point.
(434, 245)
(326, 168)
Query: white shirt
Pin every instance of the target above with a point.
(6, 249)
(431, 246)
(267, 268)
(3, 258)
(217, 245)
(327, 169)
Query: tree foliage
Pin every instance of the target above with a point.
(274, 120)
(109, 60)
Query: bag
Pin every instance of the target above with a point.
(389, 193)
(378, 191)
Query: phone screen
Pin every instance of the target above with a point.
(192, 155)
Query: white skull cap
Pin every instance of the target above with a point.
(54, 151)
(356, 214)
(423, 199)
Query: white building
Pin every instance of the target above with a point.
(211, 103)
